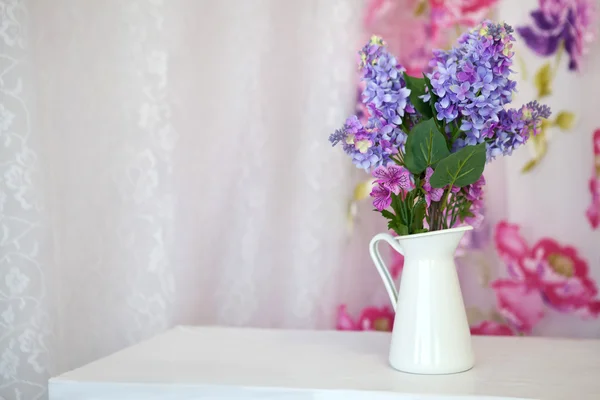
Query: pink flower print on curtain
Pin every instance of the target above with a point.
(491, 328)
(446, 14)
(565, 283)
(397, 264)
(519, 303)
(547, 274)
(370, 319)
(413, 28)
(593, 211)
(405, 34)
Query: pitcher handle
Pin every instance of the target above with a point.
(384, 272)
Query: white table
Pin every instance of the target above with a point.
(228, 363)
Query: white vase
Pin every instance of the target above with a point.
(431, 334)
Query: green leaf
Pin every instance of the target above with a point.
(392, 226)
(401, 230)
(401, 209)
(420, 9)
(417, 88)
(362, 190)
(388, 214)
(461, 168)
(543, 80)
(397, 227)
(397, 206)
(425, 146)
(565, 120)
(419, 215)
(464, 211)
(530, 165)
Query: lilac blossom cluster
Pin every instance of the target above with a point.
(472, 84)
(427, 140)
(471, 81)
(514, 127)
(386, 97)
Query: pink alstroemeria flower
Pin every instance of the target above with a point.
(382, 197)
(394, 178)
(431, 193)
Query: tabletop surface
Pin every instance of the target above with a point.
(227, 363)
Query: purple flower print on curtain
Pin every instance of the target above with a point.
(561, 22)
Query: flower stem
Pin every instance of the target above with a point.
(445, 197)
(404, 128)
(559, 53)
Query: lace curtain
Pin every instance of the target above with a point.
(166, 162)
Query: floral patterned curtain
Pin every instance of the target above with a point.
(532, 267)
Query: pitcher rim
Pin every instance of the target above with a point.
(464, 228)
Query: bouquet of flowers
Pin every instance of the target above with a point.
(427, 140)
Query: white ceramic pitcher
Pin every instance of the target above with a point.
(431, 334)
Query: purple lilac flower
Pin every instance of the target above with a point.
(366, 160)
(353, 125)
(385, 93)
(347, 135)
(472, 81)
(394, 178)
(508, 135)
(359, 143)
(431, 193)
(533, 113)
(385, 97)
(570, 22)
(382, 197)
(515, 127)
(393, 134)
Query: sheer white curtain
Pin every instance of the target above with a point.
(166, 162)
